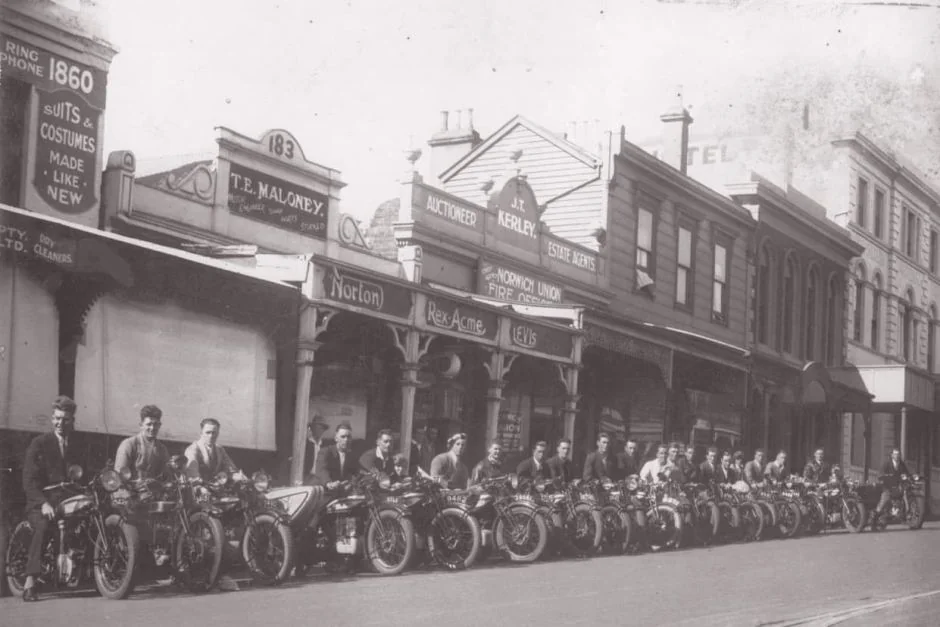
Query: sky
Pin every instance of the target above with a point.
(359, 82)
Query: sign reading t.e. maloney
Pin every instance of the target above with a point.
(259, 196)
(358, 290)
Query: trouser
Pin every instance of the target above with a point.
(884, 500)
(4, 543)
(40, 525)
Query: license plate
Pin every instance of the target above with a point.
(670, 501)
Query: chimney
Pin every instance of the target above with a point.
(451, 142)
(676, 122)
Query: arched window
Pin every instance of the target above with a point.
(812, 294)
(906, 315)
(763, 295)
(876, 312)
(859, 305)
(831, 338)
(932, 339)
(789, 302)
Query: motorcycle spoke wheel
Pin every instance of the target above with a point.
(267, 549)
(456, 539)
(116, 555)
(614, 533)
(199, 554)
(17, 557)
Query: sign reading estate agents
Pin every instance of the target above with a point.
(262, 197)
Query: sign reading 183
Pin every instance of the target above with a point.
(282, 145)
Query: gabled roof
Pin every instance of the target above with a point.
(571, 148)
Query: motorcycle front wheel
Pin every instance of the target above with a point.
(268, 549)
(521, 535)
(198, 555)
(116, 558)
(17, 556)
(730, 522)
(455, 539)
(613, 540)
(854, 515)
(637, 540)
(392, 547)
(752, 522)
(789, 519)
(664, 528)
(915, 512)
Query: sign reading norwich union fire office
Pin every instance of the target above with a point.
(262, 197)
(498, 281)
(358, 290)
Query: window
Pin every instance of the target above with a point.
(876, 313)
(789, 300)
(861, 204)
(859, 305)
(831, 338)
(906, 314)
(812, 294)
(933, 251)
(720, 281)
(879, 218)
(644, 242)
(932, 340)
(685, 277)
(910, 234)
(763, 295)
(858, 440)
(14, 99)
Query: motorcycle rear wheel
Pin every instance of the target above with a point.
(119, 534)
(206, 546)
(527, 522)
(267, 549)
(402, 532)
(455, 539)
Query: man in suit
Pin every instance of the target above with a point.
(316, 427)
(489, 467)
(422, 449)
(895, 468)
(626, 463)
(754, 469)
(597, 465)
(205, 458)
(817, 470)
(379, 459)
(534, 467)
(776, 470)
(725, 473)
(448, 468)
(709, 467)
(559, 466)
(335, 463)
(47, 460)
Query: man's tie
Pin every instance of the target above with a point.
(63, 447)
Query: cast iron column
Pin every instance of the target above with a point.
(497, 368)
(413, 345)
(313, 322)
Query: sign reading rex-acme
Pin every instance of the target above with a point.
(461, 318)
(260, 196)
(355, 289)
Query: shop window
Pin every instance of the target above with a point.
(876, 313)
(906, 315)
(812, 295)
(644, 243)
(721, 272)
(685, 275)
(861, 204)
(858, 440)
(763, 295)
(879, 218)
(789, 300)
(911, 228)
(859, 305)
(14, 103)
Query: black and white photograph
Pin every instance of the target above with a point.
(469, 313)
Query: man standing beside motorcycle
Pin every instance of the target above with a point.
(142, 455)
(534, 467)
(894, 469)
(776, 470)
(204, 458)
(597, 465)
(47, 460)
(448, 467)
(559, 466)
(489, 467)
(379, 459)
(817, 470)
(334, 464)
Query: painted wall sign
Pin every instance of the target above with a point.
(259, 196)
(517, 215)
(366, 292)
(447, 208)
(461, 318)
(630, 346)
(499, 281)
(49, 72)
(570, 254)
(66, 152)
(541, 338)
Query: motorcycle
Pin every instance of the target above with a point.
(510, 519)
(256, 530)
(906, 505)
(787, 507)
(618, 528)
(664, 520)
(750, 514)
(841, 504)
(183, 539)
(634, 500)
(729, 515)
(340, 530)
(91, 539)
(576, 518)
(813, 514)
(701, 512)
(453, 537)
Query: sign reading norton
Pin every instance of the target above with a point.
(357, 290)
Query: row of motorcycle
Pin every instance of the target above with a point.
(118, 534)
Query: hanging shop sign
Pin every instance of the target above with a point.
(66, 152)
(356, 289)
(447, 207)
(50, 72)
(460, 318)
(517, 215)
(504, 283)
(540, 338)
(262, 197)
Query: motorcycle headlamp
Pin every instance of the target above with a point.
(110, 480)
(514, 481)
(221, 478)
(75, 472)
(177, 463)
(633, 482)
(261, 481)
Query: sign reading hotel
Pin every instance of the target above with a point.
(460, 318)
(541, 338)
(262, 197)
(446, 207)
(66, 152)
(504, 283)
(354, 289)
(517, 215)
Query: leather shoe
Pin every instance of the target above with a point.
(30, 594)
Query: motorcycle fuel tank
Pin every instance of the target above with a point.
(75, 505)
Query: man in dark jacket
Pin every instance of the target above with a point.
(893, 470)
(379, 459)
(491, 466)
(597, 465)
(709, 467)
(626, 461)
(423, 450)
(725, 471)
(534, 467)
(559, 466)
(335, 463)
(47, 460)
(817, 470)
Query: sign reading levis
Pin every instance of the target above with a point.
(498, 281)
(517, 215)
(461, 318)
(368, 293)
(540, 338)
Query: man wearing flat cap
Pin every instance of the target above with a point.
(316, 427)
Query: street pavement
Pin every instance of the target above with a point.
(887, 578)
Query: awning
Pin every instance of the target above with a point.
(894, 385)
(572, 314)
